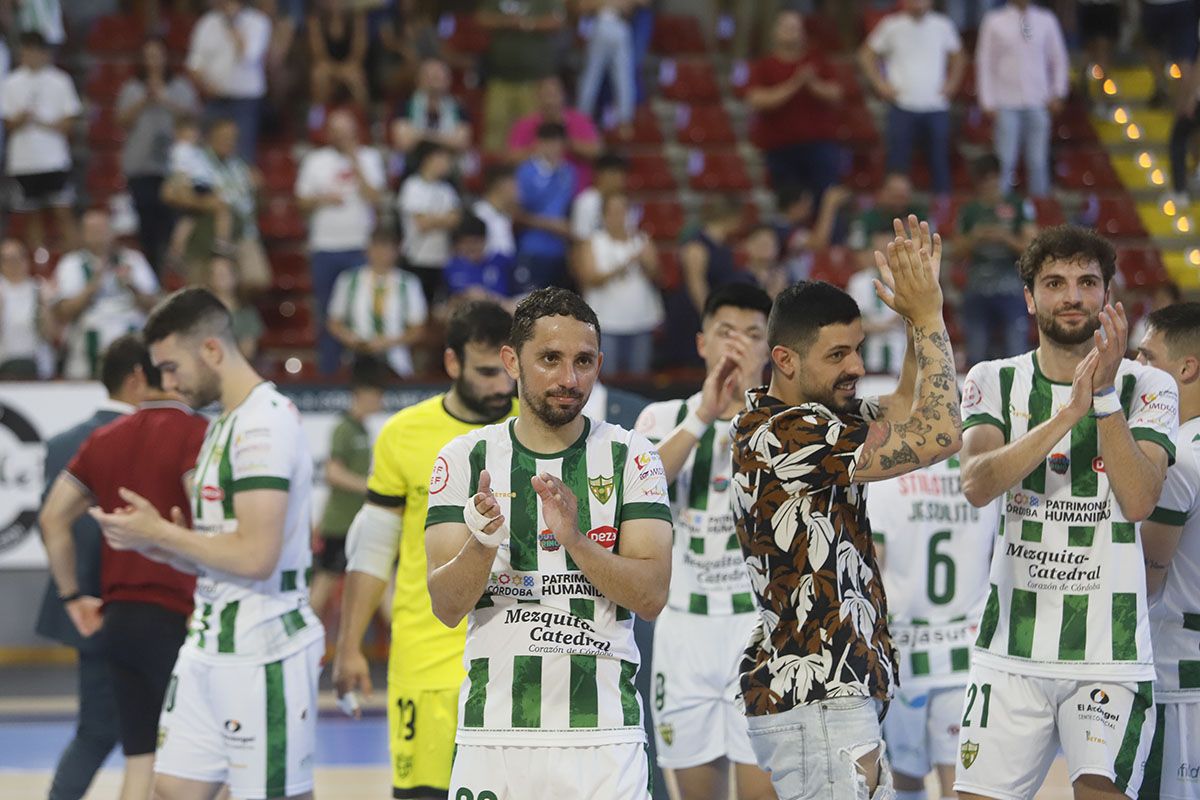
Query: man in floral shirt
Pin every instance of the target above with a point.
(820, 668)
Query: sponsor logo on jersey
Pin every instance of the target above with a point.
(440, 476)
(667, 732)
(1022, 499)
(642, 460)
(971, 395)
(1097, 464)
(968, 753)
(1099, 696)
(720, 484)
(232, 725)
(1094, 739)
(602, 487)
(1060, 463)
(213, 494)
(547, 541)
(1189, 772)
(1149, 398)
(605, 536)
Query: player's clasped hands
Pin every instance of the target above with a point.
(909, 272)
(559, 505)
(483, 516)
(131, 527)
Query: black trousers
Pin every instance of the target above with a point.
(96, 733)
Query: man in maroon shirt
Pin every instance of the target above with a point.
(144, 605)
(796, 101)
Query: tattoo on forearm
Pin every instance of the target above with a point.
(901, 455)
(1152, 564)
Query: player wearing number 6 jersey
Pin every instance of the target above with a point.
(1077, 440)
(935, 549)
(699, 639)
(1172, 542)
(549, 532)
(241, 707)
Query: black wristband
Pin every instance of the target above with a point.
(66, 598)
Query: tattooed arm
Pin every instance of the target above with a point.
(1159, 543)
(898, 406)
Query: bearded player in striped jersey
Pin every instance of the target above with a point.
(1077, 439)
(1172, 543)
(549, 532)
(701, 635)
(935, 550)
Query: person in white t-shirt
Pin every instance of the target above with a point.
(496, 209)
(227, 60)
(914, 60)
(25, 322)
(103, 291)
(340, 186)
(616, 270)
(429, 210)
(40, 106)
(587, 216)
(883, 348)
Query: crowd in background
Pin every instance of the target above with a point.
(412, 203)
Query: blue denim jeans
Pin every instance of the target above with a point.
(1026, 129)
(811, 751)
(609, 50)
(326, 267)
(984, 314)
(627, 353)
(928, 129)
(813, 165)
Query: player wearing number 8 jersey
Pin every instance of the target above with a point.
(1077, 439)
(549, 532)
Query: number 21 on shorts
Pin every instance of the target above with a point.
(983, 690)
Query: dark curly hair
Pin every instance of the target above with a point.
(1067, 243)
(549, 302)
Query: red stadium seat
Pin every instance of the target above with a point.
(1074, 126)
(463, 33)
(105, 80)
(1118, 216)
(662, 219)
(834, 265)
(290, 270)
(677, 34)
(704, 125)
(688, 81)
(1085, 168)
(646, 131)
(1141, 265)
(116, 34)
(649, 172)
(288, 323)
(104, 132)
(718, 172)
(178, 34)
(857, 127)
(278, 169)
(281, 220)
(1049, 211)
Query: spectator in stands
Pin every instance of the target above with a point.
(26, 325)
(795, 98)
(429, 210)
(223, 281)
(587, 214)
(379, 309)
(220, 191)
(340, 187)
(227, 60)
(706, 257)
(761, 246)
(802, 232)
(915, 62)
(40, 107)
(497, 208)
(103, 291)
(609, 52)
(474, 273)
(521, 52)
(43, 17)
(405, 37)
(751, 21)
(617, 270)
(894, 199)
(147, 107)
(995, 227)
(337, 45)
(1099, 24)
(185, 160)
(583, 141)
(432, 114)
(1169, 28)
(545, 185)
(1187, 122)
(1022, 76)
(883, 329)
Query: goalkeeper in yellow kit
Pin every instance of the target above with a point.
(425, 667)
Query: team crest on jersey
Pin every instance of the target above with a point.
(213, 494)
(547, 541)
(720, 483)
(667, 732)
(1097, 464)
(602, 487)
(968, 753)
(1060, 463)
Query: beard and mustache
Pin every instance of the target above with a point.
(1054, 330)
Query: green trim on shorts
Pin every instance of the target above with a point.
(276, 731)
(1151, 788)
(1127, 755)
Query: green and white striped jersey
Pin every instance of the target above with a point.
(708, 570)
(1175, 613)
(257, 445)
(935, 570)
(1068, 585)
(550, 660)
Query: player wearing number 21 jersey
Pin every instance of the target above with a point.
(549, 532)
(935, 549)
(1076, 439)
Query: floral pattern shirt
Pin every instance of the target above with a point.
(803, 527)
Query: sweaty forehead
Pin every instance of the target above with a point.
(831, 337)
(564, 335)
(1071, 268)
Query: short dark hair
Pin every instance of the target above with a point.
(470, 225)
(188, 312)
(1067, 243)
(801, 310)
(985, 166)
(33, 39)
(494, 174)
(551, 130)
(479, 321)
(368, 372)
(609, 160)
(122, 358)
(1180, 326)
(548, 302)
(738, 295)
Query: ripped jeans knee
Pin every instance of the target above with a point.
(870, 773)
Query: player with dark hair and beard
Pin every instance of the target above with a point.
(425, 667)
(1077, 439)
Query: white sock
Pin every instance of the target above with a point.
(912, 794)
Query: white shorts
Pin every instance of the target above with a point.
(922, 730)
(697, 718)
(1173, 769)
(1012, 727)
(251, 725)
(602, 772)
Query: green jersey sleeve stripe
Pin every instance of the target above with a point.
(645, 511)
(981, 419)
(384, 500)
(1158, 437)
(440, 514)
(1167, 516)
(259, 482)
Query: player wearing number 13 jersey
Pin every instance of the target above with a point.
(1077, 440)
(549, 532)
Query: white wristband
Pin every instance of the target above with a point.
(694, 425)
(1106, 403)
(476, 522)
